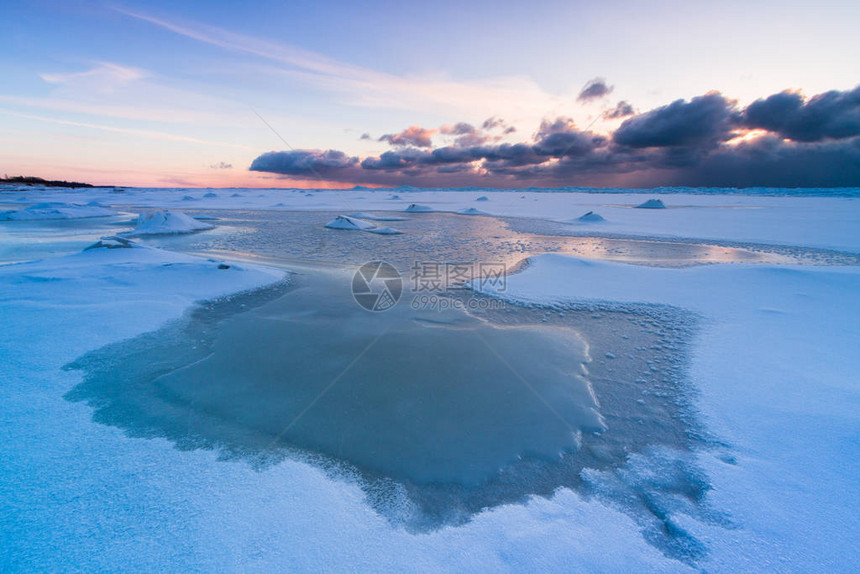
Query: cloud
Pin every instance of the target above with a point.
(594, 90)
(831, 115)
(460, 128)
(621, 110)
(221, 165)
(411, 136)
(365, 136)
(305, 163)
(693, 143)
(703, 121)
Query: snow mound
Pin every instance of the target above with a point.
(166, 223)
(112, 242)
(372, 217)
(418, 208)
(386, 231)
(483, 198)
(345, 222)
(590, 217)
(652, 204)
(394, 197)
(41, 211)
(471, 211)
(210, 195)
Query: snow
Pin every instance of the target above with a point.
(471, 211)
(775, 366)
(80, 496)
(737, 217)
(385, 231)
(418, 208)
(55, 210)
(652, 204)
(166, 223)
(375, 217)
(590, 217)
(344, 222)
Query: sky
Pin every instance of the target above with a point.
(490, 94)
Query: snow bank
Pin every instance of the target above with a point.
(345, 222)
(56, 210)
(166, 223)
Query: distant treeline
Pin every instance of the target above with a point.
(30, 180)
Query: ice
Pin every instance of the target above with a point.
(471, 211)
(385, 231)
(771, 369)
(429, 402)
(590, 217)
(374, 217)
(418, 208)
(762, 376)
(55, 210)
(652, 204)
(166, 223)
(344, 222)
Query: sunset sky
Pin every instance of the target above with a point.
(505, 94)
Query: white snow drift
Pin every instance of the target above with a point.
(166, 223)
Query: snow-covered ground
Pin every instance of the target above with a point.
(774, 365)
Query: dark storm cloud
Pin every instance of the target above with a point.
(805, 143)
(703, 121)
(621, 110)
(831, 115)
(594, 90)
(562, 138)
(303, 162)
